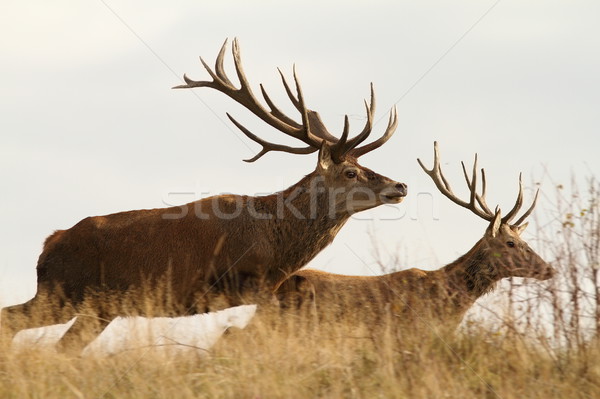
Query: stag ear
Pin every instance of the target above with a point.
(325, 160)
(521, 228)
(494, 226)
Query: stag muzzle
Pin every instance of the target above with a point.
(395, 194)
(547, 273)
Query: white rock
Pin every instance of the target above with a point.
(41, 337)
(172, 334)
(166, 334)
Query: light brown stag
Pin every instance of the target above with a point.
(439, 297)
(227, 244)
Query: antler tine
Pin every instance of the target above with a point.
(268, 146)
(481, 198)
(373, 103)
(276, 111)
(318, 129)
(219, 78)
(518, 203)
(389, 131)
(288, 90)
(301, 107)
(437, 164)
(442, 184)
(343, 147)
(239, 70)
(471, 183)
(318, 132)
(219, 69)
(528, 212)
(436, 171)
(438, 178)
(362, 136)
(338, 150)
(474, 181)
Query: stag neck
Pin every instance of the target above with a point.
(309, 200)
(472, 275)
(303, 222)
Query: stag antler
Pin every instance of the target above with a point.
(311, 131)
(477, 203)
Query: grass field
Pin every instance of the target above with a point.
(275, 359)
(543, 344)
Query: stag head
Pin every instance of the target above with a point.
(507, 254)
(511, 256)
(354, 187)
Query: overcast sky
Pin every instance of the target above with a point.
(90, 126)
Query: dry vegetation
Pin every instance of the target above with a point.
(541, 342)
(283, 362)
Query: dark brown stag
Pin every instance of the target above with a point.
(227, 244)
(440, 297)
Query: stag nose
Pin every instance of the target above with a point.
(402, 188)
(550, 272)
(546, 273)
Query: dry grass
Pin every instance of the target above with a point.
(276, 358)
(546, 346)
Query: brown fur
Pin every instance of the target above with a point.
(415, 297)
(190, 251)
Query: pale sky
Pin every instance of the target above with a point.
(90, 125)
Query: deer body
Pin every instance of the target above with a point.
(228, 245)
(437, 298)
(440, 297)
(212, 240)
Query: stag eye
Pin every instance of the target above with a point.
(350, 174)
(511, 244)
